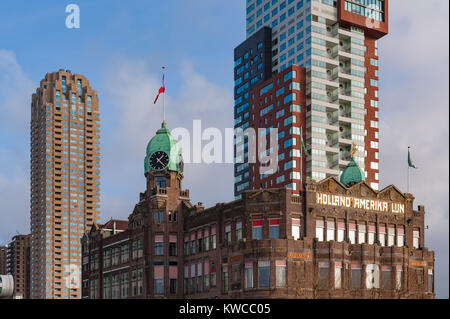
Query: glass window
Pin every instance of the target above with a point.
(159, 245)
(107, 287)
(391, 236)
(399, 278)
(248, 275)
(224, 279)
(337, 275)
(274, 228)
(330, 230)
(160, 181)
(382, 235)
(280, 273)
(173, 286)
(239, 231)
(416, 239)
(257, 229)
(319, 230)
(296, 228)
(340, 231)
(386, 277)
(124, 253)
(228, 234)
(124, 285)
(361, 234)
(264, 274)
(324, 274)
(356, 276)
(430, 281)
(352, 233)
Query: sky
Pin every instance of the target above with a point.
(121, 46)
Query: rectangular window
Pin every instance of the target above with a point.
(107, 258)
(213, 237)
(107, 287)
(337, 275)
(186, 245)
(319, 230)
(206, 239)
(239, 231)
(400, 236)
(186, 280)
(386, 277)
(257, 229)
(224, 279)
(280, 273)
(361, 234)
(352, 233)
(173, 276)
(430, 281)
(248, 275)
(341, 231)
(173, 245)
(228, 234)
(391, 236)
(399, 278)
(206, 268)
(199, 277)
(382, 235)
(371, 235)
(193, 279)
(213, 277)
(274, 228)
(159, 245)
(264, 274)
(199, 241)
(330, 230)
(356, 276)
(296, 228)
(324, 274)
(125, 285)
(416, 239)
(124, 253)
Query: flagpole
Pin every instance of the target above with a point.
(407, 187)
(408, 181)
(164, 99)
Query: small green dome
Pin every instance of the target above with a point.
(352, 174)
(163, 141)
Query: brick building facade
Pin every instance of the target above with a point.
(330, 241)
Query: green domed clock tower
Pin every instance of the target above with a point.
(163, 162)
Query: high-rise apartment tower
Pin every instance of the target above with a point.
(65, 181)
(337, 43)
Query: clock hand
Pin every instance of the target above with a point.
(159, 160)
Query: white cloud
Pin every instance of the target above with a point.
(414, 112)
(130, 91)
(15, 92)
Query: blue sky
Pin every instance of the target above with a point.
(120, 48)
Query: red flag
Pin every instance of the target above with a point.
(162, 89)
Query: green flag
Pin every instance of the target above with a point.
(304, 148)
(410, 164)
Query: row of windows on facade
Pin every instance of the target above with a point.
(351, 277)
(361, 233)
(202, 240)
(117, 285)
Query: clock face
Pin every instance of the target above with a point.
(159, 160)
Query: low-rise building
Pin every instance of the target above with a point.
(334, 239)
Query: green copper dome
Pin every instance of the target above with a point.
(164, 142)
(352, 174)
